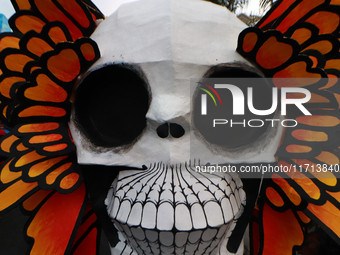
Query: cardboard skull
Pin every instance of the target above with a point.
(133, 108)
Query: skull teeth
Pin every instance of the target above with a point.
(158, 204)
(162, 196)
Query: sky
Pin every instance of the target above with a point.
(109, 6)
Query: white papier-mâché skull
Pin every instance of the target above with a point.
(133, 108)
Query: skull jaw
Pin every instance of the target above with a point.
(172, 209)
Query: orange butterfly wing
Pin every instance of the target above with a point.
(299, 39)
(40, 62)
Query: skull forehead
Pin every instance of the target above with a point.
(156, 30)
(171, 41)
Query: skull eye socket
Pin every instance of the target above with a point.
(239, 134)
(110, 105)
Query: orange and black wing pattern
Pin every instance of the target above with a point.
(297, 45)
(39, 65)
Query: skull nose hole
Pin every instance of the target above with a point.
(176, 130)
(163, 130)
